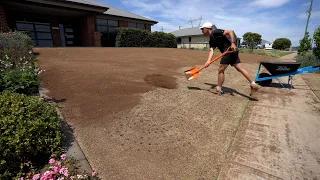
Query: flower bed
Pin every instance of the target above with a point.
(30, 128)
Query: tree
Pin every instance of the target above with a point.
(252, 39)
(316, 37)
(281, 43)
(305, 43)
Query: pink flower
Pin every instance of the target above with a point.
(21, 178)
(64, 171)
(52, 161)
(36, 177)
(63, 156)
(10, 32)
(94, 173)
(56, 170)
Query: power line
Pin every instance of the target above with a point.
(192, 20)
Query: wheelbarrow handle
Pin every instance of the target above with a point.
(218, 57)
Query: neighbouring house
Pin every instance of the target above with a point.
(60, 23)
(268, 46)
(194, 38)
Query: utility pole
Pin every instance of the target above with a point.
(161, 28)
(309, 14)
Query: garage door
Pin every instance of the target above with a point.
(40, 33)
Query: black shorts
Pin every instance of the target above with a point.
(230, 58)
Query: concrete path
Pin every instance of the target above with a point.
(279, 138)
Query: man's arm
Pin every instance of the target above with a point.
(229, 33)
(209, 57)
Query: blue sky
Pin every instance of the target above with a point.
(270, 18)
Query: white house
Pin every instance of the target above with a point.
(194, 38)
(268, 46)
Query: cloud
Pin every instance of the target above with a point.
(269, 3)
(231, 14)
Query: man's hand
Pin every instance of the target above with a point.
(207, 64)
(233, 46)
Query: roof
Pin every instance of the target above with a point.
(111, 10)
(194, 31)
(118, 12)
(88, 2)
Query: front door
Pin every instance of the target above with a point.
(67, 35)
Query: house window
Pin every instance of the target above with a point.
(131, 24)
(40, 33)
(179, 40)
(108, 29)
(189, 39)
(136, 25)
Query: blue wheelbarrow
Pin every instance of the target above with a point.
(281, 69)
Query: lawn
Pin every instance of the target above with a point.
(277, 53)
(135, 115)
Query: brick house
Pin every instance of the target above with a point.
(64, 23)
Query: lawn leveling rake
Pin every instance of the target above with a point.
(281, 69)
(194, 72)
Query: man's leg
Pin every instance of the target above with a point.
(246, 74)
(241, 69)
(221, 69)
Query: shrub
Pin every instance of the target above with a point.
(161, 39)
(23, 81)
(30, 132)
(15, 50)
(134, 37)
(307, 59)
(316, 37)
(60, 168)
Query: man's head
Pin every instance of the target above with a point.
(206, 28)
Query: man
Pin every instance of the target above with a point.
(218, 38)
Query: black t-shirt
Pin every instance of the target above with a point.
(217, 39)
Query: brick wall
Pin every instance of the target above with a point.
(97, 39)
(3, 21)
(56, 34)
(89, 36)
(123, 23)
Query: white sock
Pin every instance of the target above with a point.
(219, 88)
(253, 82)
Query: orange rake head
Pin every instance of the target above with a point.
(192, 73)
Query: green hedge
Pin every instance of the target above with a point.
(30, 132)
(134, 37)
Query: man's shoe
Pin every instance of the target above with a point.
(216, 91)
(255, 87)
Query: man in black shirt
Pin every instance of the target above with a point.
(218, 39)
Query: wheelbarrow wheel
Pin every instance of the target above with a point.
(265, 82)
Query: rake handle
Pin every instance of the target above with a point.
(226, 52)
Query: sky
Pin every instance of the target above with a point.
(270, 18)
